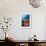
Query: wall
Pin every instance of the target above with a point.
(12, 8)
(45, 28)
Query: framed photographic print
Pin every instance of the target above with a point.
(26, 20)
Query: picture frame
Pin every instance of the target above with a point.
(26, 20)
